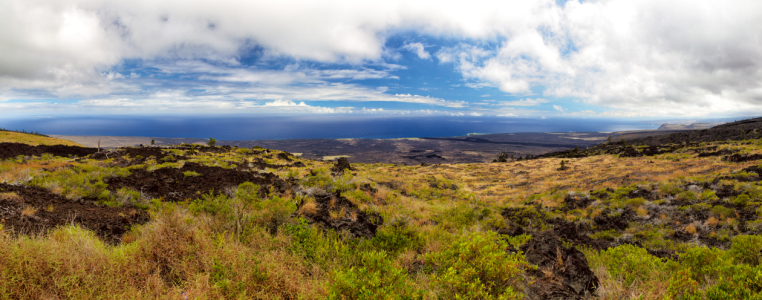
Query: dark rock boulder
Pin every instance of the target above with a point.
(338, 213)
(341, 164)
(284, 155)
(742, 157)
(562, 273)
(575, 201)
(608, 220)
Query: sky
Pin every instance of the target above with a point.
(513, 59)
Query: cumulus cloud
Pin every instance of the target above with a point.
(642, 58)
(558, 108)
(418, 49)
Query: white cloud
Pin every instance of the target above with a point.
(636, 57)
(558, 108)
(418, 49)
(524, 102)
(284, 103)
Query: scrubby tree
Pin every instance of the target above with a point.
(212, 142)
(502, 157)
(153, 142)
(563, 165)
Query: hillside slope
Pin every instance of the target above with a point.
(32, 139)
(676, 221)
(738, 130)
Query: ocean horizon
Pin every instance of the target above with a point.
(239, 128)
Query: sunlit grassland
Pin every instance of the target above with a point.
(32, 139)
(437, 241)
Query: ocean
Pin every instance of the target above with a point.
(237, 128)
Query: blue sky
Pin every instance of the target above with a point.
(639, 59)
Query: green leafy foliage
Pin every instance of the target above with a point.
(741, 200)
(191, 174)
(747, 249)
(477, 266)
(397, 237)
(374, 277)
(630, 264)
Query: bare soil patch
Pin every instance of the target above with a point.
(10, 150)
(172, 184)
(33, 210)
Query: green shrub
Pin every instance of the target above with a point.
(722, 211)
(323, 248)
(477, 266)
(702, 262)
(462, 215)
(374, 278)
(610, 235)
(683, 286)
(670, 188)
(518, 240)
(211, 204)
(708, 195)
(319, 177)
(622, 192)
(635, 202)
(397, 237)
(247, 192)
(741, 282)
(746, 249)
(688, 196)
(630, 263)
(191, 174)
(740, 200)
(359, 196)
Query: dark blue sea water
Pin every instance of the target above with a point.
(306, 127)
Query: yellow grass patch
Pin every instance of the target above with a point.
(32, 139)
(12, 196)
(28, 211)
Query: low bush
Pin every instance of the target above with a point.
(374, 277)
(477, 266)
(397, 237)
(740, 200)
(632, 264)
(747, 249)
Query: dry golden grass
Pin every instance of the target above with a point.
(612, 288)
(11, 172)
(505, 183)
(28, 211)
(690, 229)
(12, 196)
(31, 139)
(309, 208)
(173, 257)
(641, 211)
(337, 214)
